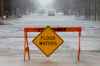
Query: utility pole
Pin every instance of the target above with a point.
(95, 10)
(2, 7)
(89, 7)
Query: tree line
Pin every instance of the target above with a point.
(90, 9)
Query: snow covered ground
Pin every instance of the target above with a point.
(12, 41)
(12, 35)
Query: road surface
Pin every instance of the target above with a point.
(11, 39)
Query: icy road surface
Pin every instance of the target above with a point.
(12, 41)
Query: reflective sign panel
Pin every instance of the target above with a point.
(48, 41)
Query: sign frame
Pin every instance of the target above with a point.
(57, 29)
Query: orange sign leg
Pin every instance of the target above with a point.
(78, 51)
(26, 48)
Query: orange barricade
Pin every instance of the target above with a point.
(57, 29)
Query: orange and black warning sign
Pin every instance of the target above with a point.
(48, 41)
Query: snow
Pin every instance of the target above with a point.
(12, 42)
(11, 35)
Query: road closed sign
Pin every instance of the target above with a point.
(48, 41)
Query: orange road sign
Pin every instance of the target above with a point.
(48, 41)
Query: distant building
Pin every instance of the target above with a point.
(16, 7)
